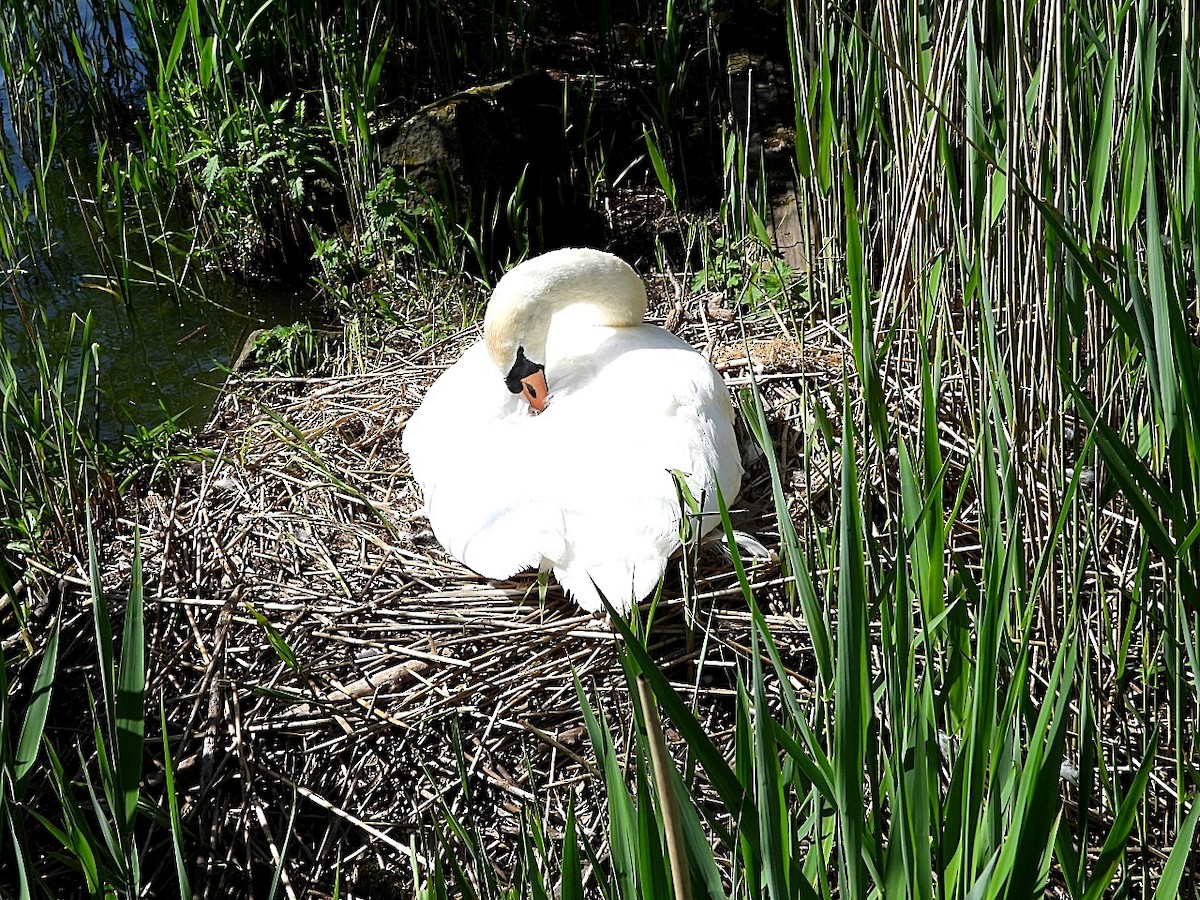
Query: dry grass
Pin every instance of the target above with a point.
(302, 512)
(335, 683)
(975, 204)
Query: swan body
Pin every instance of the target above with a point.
(583, 487)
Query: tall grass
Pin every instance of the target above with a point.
(1001, 207)
(75, 807)
(45, 446)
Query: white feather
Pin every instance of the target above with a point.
(584, 488)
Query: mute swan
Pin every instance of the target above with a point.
(550, 443)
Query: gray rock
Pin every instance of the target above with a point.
(484, 139)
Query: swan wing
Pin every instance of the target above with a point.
(636, 406)
(465, 448)
(586, 487)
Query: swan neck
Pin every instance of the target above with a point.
(572, 289)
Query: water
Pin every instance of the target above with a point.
(161, 356)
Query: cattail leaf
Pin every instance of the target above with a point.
(35, 716)
(852, 679)
(130, 712)
(1172, 872)
(733, 795)
(177, 834)
(623, 831)
(1102, 142)
(571, 887)
(1113, 849)
(797, 565)
(1144, 493)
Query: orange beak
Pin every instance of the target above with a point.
(533, 389)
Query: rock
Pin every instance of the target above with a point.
(484, 140)
(477, 149)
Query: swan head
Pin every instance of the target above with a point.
(589, 287)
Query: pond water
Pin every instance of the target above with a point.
(161, 355)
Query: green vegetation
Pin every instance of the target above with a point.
(287, 349)
(994, 555)
(94, 837)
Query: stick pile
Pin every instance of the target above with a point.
(324, 662)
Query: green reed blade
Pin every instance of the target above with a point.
(1172, 872)
(33, 728)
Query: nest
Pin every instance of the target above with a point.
(329, 669)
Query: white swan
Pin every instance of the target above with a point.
(577, 479)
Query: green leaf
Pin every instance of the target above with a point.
(112, 840)
(862, 326)
(104, 641)
(1161, 348)
(1102, 139)
(768, 786)
(726, 784)
(572, 872)
(665, 181)
(185, 888)
(1144, 493)
(797, 566)
(35, 718)
(1038, 803)
(1118, 836)
(130, 712)
(650, 859)
(825, 128)
(181, 33)
(705, 873)
(18, 854)
(669, 802)
(77, 839)
(1172, 873)
(852, 679)
(282, 649)
(622, 828)
(289, 831)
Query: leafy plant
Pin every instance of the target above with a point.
(287, 349)
(47, 444)
(746, 272)
(88, 798)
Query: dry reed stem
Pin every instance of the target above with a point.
(301, 509)
(304, 510)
